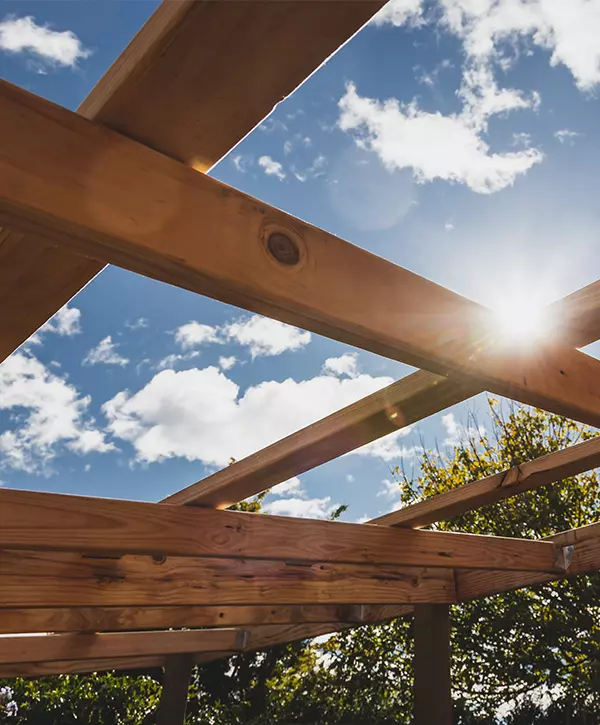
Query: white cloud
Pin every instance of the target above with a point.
(138, 324)
(287, 147)
(170, 361)
(194, 333)
(449, 226)
(292, 485)
(345, 364)
(567, 137)
(350, 478)
(568, 29)
(199, 414)
(389, 447)
(316, 169)
(49, 413)
(264, 336)
(24, 35)
(391, 491)
(308, 508)
(66, 322)
(400, 12)
(435, 146)
(105, 353)
(457, 433)
(226, 363)
(271, 167)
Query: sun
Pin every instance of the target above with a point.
(522, 319)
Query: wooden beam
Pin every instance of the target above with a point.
(181, 47)
(25, 648)
(98, 619)
(55, 579)
(583, 558)
(32, 520)
(176, 684)
(433, 686)
(525, 477)
(577, 316)
(118, 201)
(394, 407)
(38, 668)
(252, 639)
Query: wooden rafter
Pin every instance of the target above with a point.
(181, 47)
(524, 477)
(98, 192)
(31, 520)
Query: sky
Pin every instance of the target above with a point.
(458, 138)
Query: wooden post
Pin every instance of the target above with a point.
(173, 702)
(433, 697)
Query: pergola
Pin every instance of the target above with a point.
(122, 585)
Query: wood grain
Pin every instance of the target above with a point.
(22, 648)
(585, 560)
(525, 477)
(54, 579)
(432, 665)
(98, 619)
(217, 79)
(118, 201)
(32, 520)
(174, 696)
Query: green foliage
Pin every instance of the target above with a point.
(108, 699)
(530, 657)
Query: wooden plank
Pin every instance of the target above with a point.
(115, 200)
(32, 520)
(433, 686)
(525, 477)
(25, 648)
(98, 619)
(585, 559)
(55, 579)
(249, 640)
(400, 404)
(210, 99)
(176, 684)
(38, 668)
(577, 316)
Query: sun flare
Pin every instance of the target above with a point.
(522, 320)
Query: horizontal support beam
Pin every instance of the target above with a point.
(582, 558)
(252, 639)
(181, 47)
(112, 199)
(55, 579)
(400, 404)
(24, 648)
(39, 668)
(31, 520)
(107, 619)
(525, 477)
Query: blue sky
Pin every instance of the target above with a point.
(459, 139)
